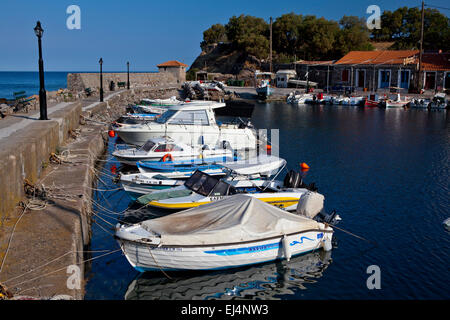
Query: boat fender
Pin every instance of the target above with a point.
(286, 248)
(327, 245)
(168, 155)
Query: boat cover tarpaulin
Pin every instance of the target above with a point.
(232, 220)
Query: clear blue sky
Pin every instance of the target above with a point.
(145, 32)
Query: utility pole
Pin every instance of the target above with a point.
(270, 44)
(419, 82)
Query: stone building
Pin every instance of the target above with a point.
(176, 68)
(381, 70)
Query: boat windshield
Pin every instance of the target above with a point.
(201, 183)
(207, 185)
(165, 116)
(147, 146)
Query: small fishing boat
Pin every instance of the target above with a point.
(164, 149)
(302, 98)
(181, 170)
(202, 188)
(237, 231)
(372, 100)
(420, 103)
(138, 184)
(439, 101)
(396, 102)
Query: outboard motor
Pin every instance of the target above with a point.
(310, 205)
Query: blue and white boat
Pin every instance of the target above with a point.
(233, 232)
(166, 149)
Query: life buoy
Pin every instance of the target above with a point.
(164, 158)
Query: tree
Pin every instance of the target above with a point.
(216, 33)
(353, 35)
(249, 34)
(403, 27)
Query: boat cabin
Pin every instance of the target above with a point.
(190, 114)
(162, 145)
(207, 185)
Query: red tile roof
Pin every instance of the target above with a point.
(436, 61)
(379, 57)
(172, 63)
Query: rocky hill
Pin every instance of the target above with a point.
(225, 60)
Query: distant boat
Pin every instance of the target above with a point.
(396, 102)
(262, 80)
(439, 101)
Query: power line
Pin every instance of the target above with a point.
(431, 6)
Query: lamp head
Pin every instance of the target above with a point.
(38, 30)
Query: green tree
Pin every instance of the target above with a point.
(353, 35)
(216, 33)
(403, 27)
(249, 34)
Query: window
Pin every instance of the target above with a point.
(148, 146)
(198, 117)
(165, 116)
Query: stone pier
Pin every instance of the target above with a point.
(54, 234)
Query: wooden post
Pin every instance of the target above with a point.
(419, 81)
(270, 44)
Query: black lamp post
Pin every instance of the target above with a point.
(101, 80)
(42, 94)
(128, 75)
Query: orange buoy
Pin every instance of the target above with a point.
(269, 147)
(111, 133)
(168, 155)
(304, 166)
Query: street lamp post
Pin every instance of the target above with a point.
(101, 79)
(42, 94)
(128, 75)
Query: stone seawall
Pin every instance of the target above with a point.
(78, 82)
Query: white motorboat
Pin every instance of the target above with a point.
(193, 124)
(233, 232)
(138, 184)
(164, 149)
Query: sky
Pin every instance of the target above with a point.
(143, 32)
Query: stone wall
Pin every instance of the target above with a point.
(77, 82)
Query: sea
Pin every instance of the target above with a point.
(385, 172)
(11, 82)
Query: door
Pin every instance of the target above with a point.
(385, 78)
(430, 80)
(404, 79)
(447, 81)
(361, 78)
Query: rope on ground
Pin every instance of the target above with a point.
(12, 234)
(60, 269)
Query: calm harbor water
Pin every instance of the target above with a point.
(385, 171)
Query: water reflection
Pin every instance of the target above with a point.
(266, 281)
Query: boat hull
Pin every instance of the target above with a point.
(146, 257)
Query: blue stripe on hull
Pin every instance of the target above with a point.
(142, 269)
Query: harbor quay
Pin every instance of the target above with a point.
(47, 170)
